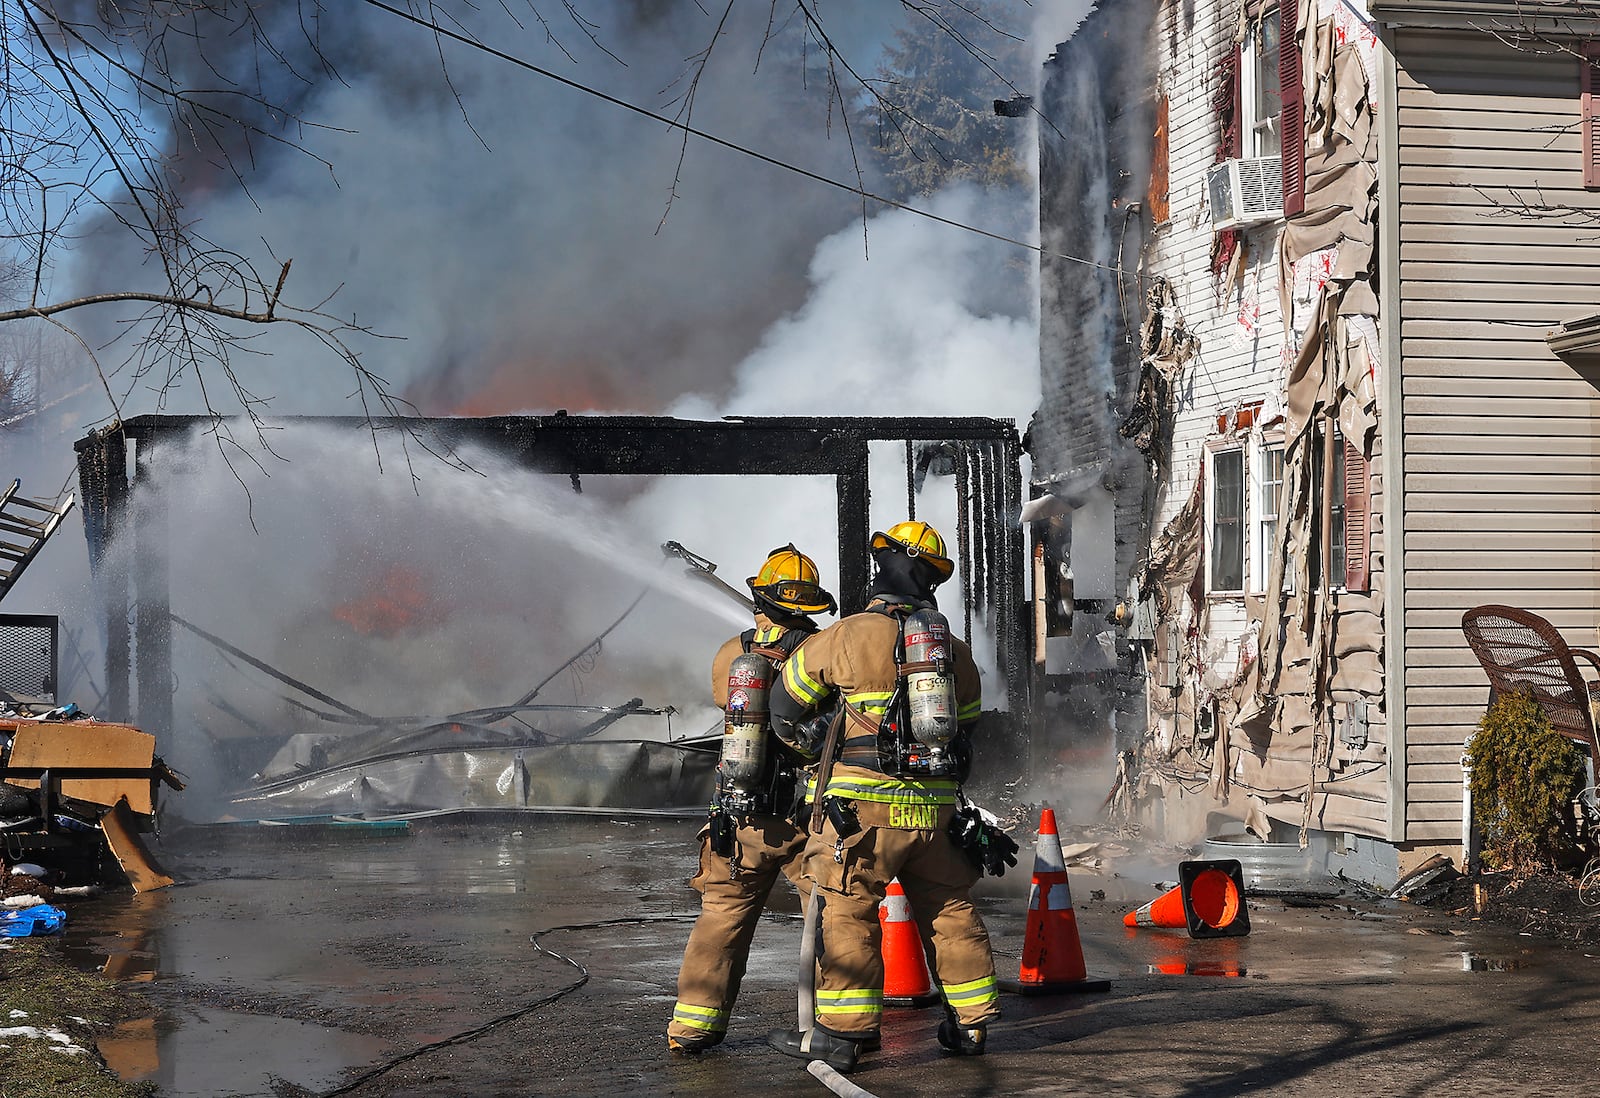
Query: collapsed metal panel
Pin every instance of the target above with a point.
(988, 456)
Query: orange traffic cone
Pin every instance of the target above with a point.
(906, 980)
(1208, 902)
(1052, 958)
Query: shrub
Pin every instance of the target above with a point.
(1524, 777)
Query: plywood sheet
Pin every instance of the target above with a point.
(144, 872)
(88, 743)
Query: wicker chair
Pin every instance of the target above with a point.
(1518, 649)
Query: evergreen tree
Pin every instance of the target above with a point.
(934, 106)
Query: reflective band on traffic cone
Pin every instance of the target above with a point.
(906, 980)
(1208, 902)
(1052, 958)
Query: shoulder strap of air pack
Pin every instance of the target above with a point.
(778, 650)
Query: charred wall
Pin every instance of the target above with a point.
(1094, 169)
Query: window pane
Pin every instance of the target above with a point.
(1227, 516)
(1271, 482)
(1267, 103)
(1268, 502)
(1336, 515)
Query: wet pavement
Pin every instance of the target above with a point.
(538, 956)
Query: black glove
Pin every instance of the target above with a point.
(997, 851)
(985, 845)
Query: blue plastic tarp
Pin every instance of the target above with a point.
(28, 921)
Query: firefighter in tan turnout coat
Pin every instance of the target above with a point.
(757, 825)
(887, 801)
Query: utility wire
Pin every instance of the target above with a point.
(858, 192)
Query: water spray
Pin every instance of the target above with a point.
(701, 569)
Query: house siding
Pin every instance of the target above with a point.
(1502, 466)
(1241, 361)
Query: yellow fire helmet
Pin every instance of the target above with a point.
(789, 580)
(917, 539)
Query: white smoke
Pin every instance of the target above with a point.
(889, 329)
(526, 244)
(1053, 24)
(542, 250)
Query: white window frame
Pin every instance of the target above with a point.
(1214, 450)
(1259, 515)
(1260, 133)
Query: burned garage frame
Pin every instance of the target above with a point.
(984, 456)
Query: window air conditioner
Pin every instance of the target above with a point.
(1244, 192)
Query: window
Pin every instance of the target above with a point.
(1226, 505)
(1347, 517)
(1267, 501)
(1260, 97)
(1336, 518)
(1257, 176)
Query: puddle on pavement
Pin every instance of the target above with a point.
(1476, 962)
(204, 1052)
(191, 933)
(218, 1052)
(1196, 968)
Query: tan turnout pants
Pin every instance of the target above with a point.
(730, 906)
(852, 877)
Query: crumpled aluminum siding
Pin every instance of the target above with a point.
(597, 774)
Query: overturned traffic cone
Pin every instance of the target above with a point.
(906, 981)
(1052, 957)
(1208, 902)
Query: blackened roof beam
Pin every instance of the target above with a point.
(758, 445)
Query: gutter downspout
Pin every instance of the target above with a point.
(1391, 426)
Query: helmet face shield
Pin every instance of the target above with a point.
(789, 580)
(797, 596)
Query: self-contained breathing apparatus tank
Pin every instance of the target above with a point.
(744, 733)
(928, 721)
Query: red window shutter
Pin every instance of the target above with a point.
(1292, 123)
(1357, 507)
(1589, 82)
(1228, 105)
(1160, 206)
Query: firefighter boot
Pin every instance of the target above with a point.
(692, 1046)
(839, 1053)
(962, 1040)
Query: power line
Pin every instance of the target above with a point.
(473, 43)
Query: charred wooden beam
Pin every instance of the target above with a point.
(599, 445)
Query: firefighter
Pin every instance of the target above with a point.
(888, 785)
(756, 829)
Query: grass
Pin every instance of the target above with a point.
(39, 989)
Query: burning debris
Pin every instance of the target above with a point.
(488, 758)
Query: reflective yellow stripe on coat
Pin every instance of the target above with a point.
(930, 791)
(800, 685)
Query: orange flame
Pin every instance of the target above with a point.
(399, 601)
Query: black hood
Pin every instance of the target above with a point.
(902, 578)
